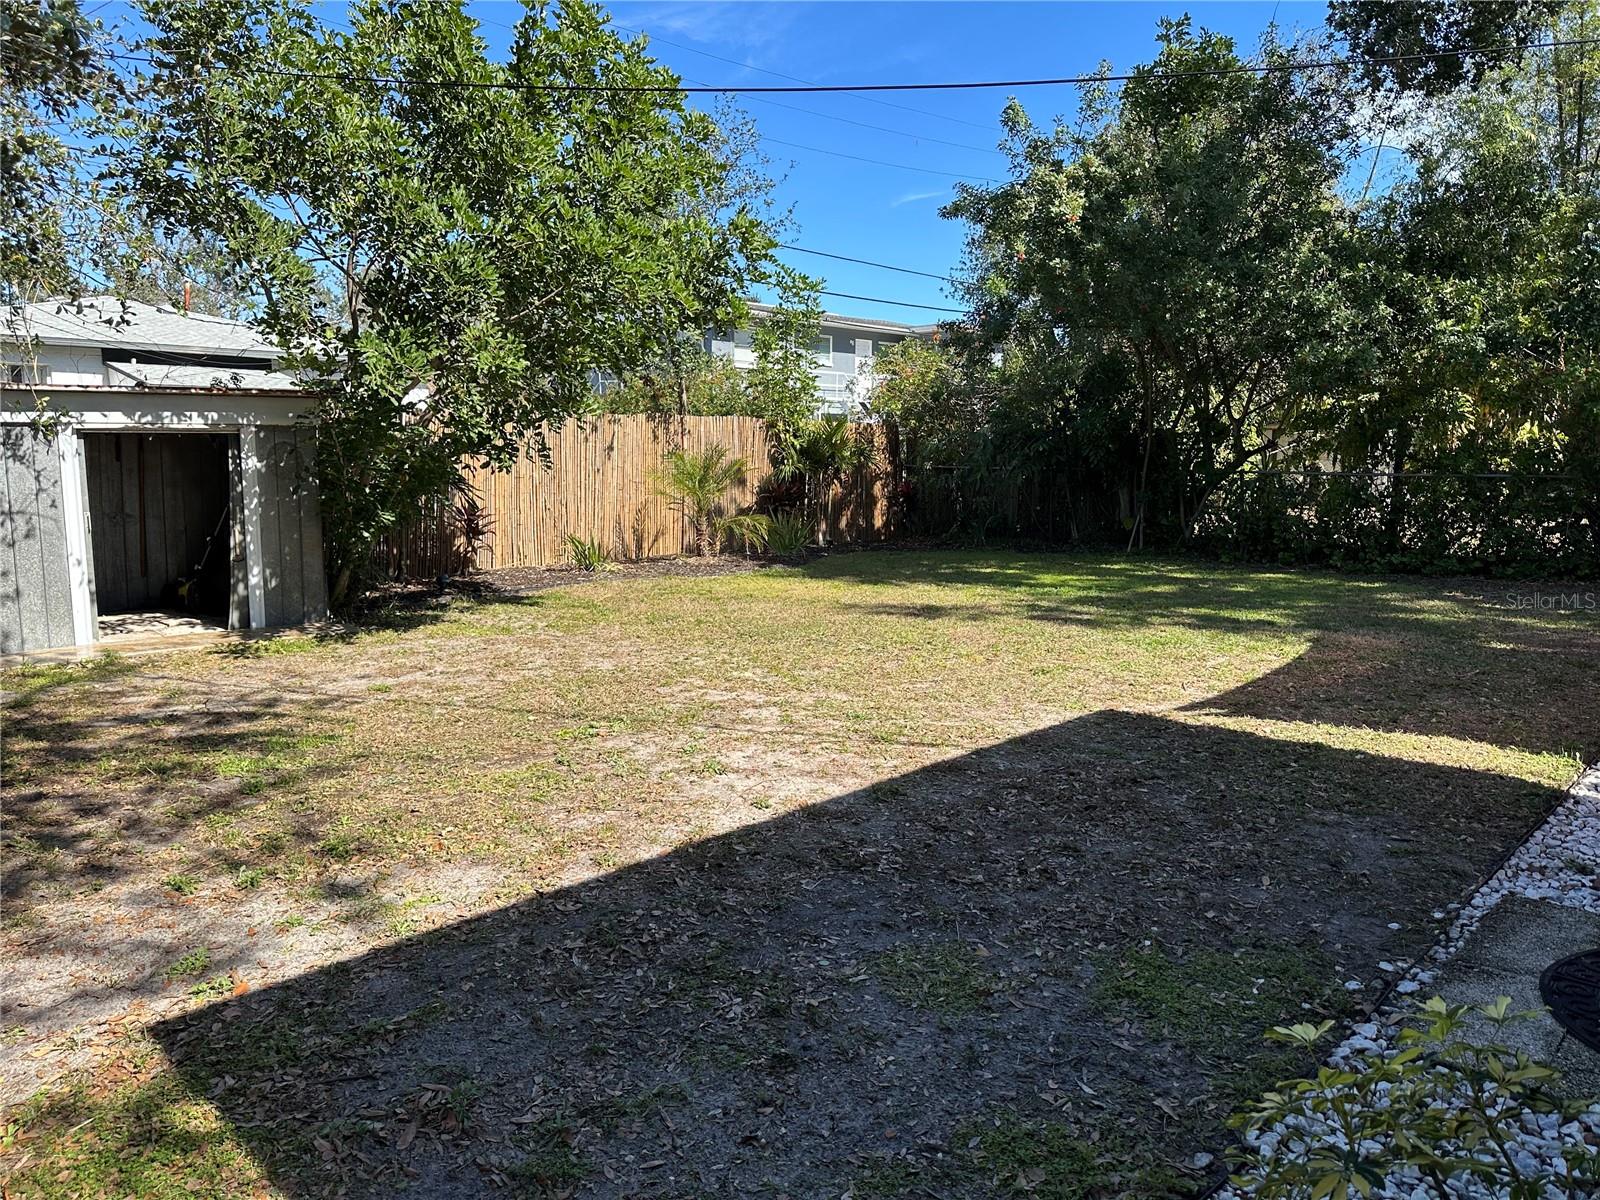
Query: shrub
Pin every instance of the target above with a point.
(588, 555)
(818, 453)
(474, 525)
(697, 483)
(1431, 522)
(1439, 1108)
(788, 534)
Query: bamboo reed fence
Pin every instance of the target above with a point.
(597, 481)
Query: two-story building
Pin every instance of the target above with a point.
(844, 350)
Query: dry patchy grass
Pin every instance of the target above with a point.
(804, 878)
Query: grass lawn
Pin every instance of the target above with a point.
(948, 874)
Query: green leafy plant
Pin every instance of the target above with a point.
(1441, 1108)
(697, 483)
(788, 534)
(588, 554)
(247, 879)
(184, 885)
(214, 988)
(474, 525)
(189, 965)
(819, 451)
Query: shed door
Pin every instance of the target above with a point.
(158, 514)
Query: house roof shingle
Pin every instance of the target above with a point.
(132, 325)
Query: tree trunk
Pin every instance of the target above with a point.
(341, 586)
(1395, 515)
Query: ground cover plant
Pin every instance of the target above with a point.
(895, 873)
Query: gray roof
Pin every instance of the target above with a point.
(863, 324)
(132, 325)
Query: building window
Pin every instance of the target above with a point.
(742, 339)
(14, 372)
(822, 347)
(864, 349)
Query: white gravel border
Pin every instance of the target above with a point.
(1545, 867)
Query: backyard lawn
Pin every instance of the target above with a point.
(902, 873)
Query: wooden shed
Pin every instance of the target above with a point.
(124, 509)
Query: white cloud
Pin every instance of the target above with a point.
(740, 28)
(913, 197)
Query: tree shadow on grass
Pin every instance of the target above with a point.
(1381, 656)
(143, 778)
(1532, 689)
(1115, 590)
(1054, 954)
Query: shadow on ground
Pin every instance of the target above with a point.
(1496, 677)
(1047, 960)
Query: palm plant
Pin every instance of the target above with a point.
(697, 483)
(821, 451)
(588, 554)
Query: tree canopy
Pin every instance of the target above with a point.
(1193, 318)
(452, 245)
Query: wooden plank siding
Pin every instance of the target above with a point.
(294, 584)
(154, 502)
(35, 589)
(597, 480)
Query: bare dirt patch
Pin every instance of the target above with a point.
(896, 874)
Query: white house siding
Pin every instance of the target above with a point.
(63, 366)
(844, 374)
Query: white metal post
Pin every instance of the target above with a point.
(250, 468)
(69, 446)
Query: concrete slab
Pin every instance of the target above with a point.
(1515, 942)
(122, 627)
(141, 645)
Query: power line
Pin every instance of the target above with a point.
(966, 85)
(990, 128)
(865, 262)
(878, 162)
(898, 303)
(868, 125)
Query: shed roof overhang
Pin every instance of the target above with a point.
(85, 407)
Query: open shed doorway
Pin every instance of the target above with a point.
(163, 531)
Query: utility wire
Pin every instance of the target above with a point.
(878, 162)
(746, 89)
(654, 37)
(865, 262)
(898, 303)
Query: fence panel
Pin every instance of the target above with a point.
(598, 481)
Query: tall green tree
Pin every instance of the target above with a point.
(63, 232)
(1493, 245)
(1438, 46)
(451, 244)
(1182, 256)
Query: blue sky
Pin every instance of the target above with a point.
(816, 143)
(891, 214)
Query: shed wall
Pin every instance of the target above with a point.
(294, 581)
(35, 590)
